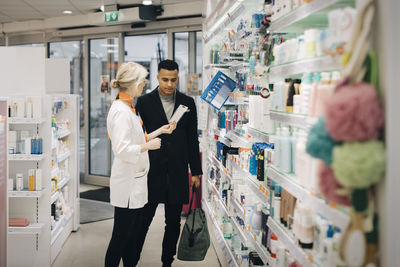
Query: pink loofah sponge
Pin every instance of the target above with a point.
(330, 187)
(354, 113)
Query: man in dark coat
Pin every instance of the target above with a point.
(168, 180)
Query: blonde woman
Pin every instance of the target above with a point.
(128, 181)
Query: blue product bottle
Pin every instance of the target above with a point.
(40, 145)
(33, 146)
(277, 147)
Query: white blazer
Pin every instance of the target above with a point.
(128, 181)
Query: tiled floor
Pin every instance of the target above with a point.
(87, 246)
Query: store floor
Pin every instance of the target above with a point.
(87, 246)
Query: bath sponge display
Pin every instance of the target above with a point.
(359, 164)
(354, 113)
(330, 188)
(319, 142)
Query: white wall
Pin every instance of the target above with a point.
(22, 70)
(389, 43)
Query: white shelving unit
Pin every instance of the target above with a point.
(34, 241)
(334, 215)
(256, 186)
(3, 183)
(288, 22)
(217, 237)
(26, 193)
(34, 228)
(304, 17)
(289, 243)
(296, 120)
(68, 164)
(325, 63)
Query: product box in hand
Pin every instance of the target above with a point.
(218, 90)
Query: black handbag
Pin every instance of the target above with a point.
(195, 239)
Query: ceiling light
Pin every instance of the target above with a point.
(102, 8)
(147, 2)
(67, 12)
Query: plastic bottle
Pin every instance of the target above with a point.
(323, 93)
(305, 91)
(313, 94)
(277, 148)
(285, 151)
(328, 248)
(293, 140)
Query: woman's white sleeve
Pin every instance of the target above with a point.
(121, 135)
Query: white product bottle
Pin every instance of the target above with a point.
(302, 160)
(19, 182)
(305, 91)
(285, 151)
(323, 93)
(313, 94)
(29, 108)
(293, 140)
(38, 179)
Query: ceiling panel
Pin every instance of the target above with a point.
(20, 10)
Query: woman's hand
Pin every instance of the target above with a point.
(154, 144)
(168, 128)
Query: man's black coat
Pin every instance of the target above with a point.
(168, 180)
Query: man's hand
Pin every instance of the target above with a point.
(196, 181)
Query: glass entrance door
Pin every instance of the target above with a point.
(103, 65)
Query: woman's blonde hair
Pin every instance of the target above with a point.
(129, 73)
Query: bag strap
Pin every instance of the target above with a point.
(191, 199)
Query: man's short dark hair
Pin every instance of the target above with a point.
(168, 65)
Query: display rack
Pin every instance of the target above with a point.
(337, 217)
(319, 64)
(34, 240)
(218, 239)
(65, 109)
(307, 16)
(296, 120)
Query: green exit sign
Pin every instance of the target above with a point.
(111, 16)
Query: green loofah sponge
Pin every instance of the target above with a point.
(359, 164)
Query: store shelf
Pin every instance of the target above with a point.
(64, 182)
(263, 253)
(26, 157)
(63, 134)
(60, 225)
(295, 120)
(288, 241)
(288, 182)
(225, 20)
(307, 15)
(239, 140)
(234, 101)
(25, 193)
(64, 156)
(256, 186)
(54, 172)
(219, 237)
(25, 121)
(239, 230)
(220, 203)
(318, 64)
(54, 197)
(238, 207)
(218, 163)
(257, 134)
(34, 228)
